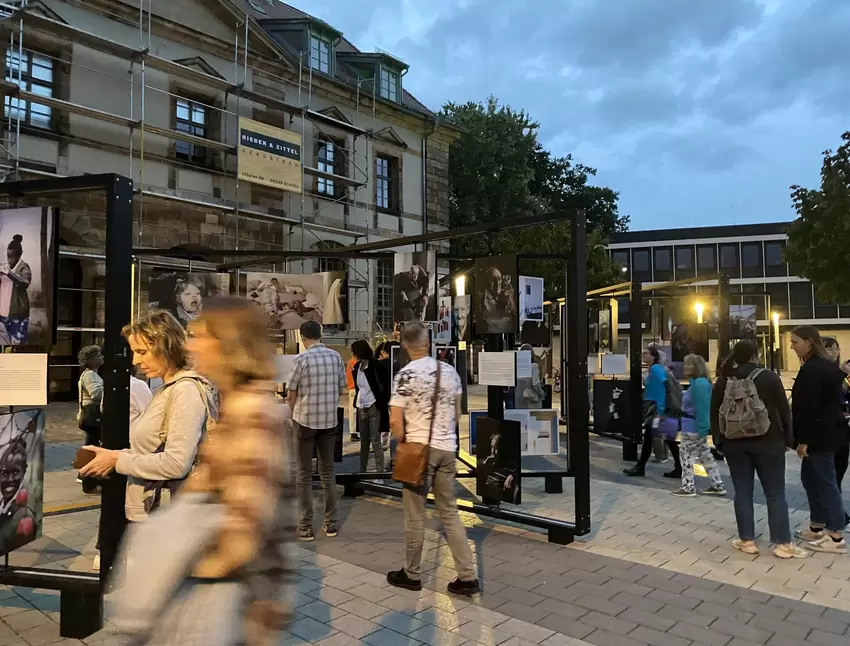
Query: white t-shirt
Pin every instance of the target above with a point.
(140, 397)
(414, 388)
(365, 396)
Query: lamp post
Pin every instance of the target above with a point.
(774, 316)
(699, 308)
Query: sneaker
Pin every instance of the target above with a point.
(95, 566)
(399, 579)
(304, 534)
(79, 479)
(330, 529)
(684, 493)
(790, 551)
(635, 471)
(747, 547)
(827, 545)
(95, 491)
(714, 491)
(355, 437)
(809, 534)
(464, 588)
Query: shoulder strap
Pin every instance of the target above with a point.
(755, 373)
(204, 398)
(434, 399)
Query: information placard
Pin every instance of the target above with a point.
(23, 379)
(497, 368)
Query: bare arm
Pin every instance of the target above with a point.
(397, 422)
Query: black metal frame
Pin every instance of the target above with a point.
(81, 592)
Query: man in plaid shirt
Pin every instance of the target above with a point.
(318, 380)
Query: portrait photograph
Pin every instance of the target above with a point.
(183, 293)
(415, 286)
(530, 298)
(289, 300)
(461, 318)
(21, 477)
(538, 333)
(446, 354)
(443, 331)
(498, 449)
(26, 276)
(496, 307)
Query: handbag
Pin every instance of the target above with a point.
(411, 458)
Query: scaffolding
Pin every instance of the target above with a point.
(242, 95)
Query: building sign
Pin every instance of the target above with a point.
(269, 156)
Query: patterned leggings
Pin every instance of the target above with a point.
(695, 448)
(370, 434)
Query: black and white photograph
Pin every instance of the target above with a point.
(742, 321)
(21, 478)
(443, 331)
(497, 449)
(461, 318)
(538, 333)
(530, 298)
(446, 354)
(182, 293)
(415, 286)
(26, 276)
(496, 307)
(291, 299)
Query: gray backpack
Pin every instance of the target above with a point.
(743, 413)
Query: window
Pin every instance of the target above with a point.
(729, 260)
(778, 298)
(36, 71)
(751, 260)
(641, 268)
(328, 264)
(384, 295)
(326, 162)
(707, 259)
(623, 310)
(802, 301)
(320, 55)
(620, 259)
(389, 85)
(386, 191)
(754, 295)
(663, 264)
(774, 262)
(191, 119)
(824, 310)
(684, 262)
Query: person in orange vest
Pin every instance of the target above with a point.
(352, 393)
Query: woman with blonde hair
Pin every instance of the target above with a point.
(164, 440)
(696, 425)
(245, 465)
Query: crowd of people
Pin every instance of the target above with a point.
(752, 425)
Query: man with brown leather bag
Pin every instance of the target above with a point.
(424, 410)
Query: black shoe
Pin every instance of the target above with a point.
(399, 579)
(636, 470)
(92, 491)
(464, 588)
(675, 473)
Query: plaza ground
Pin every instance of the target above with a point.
(656, 570)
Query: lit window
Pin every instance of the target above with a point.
(320, 55)
(191, 118)
(327, 164)
(389, 85)
(36, 76)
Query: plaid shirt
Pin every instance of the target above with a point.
(318, 375)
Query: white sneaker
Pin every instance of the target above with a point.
(96, 563)
(828, 546)
(808, 535)
(790, 551)
(747, 547)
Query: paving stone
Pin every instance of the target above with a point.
(639, 603)
(822, 622)
(480, 634)
(525, 630)
(826, 639)
(320, 611)
(784, 628)
(737, 629)
(387, 637)
(606, 622)
(601, 637)
(649, 619)
(438, 637)
(700, 636)
(362, 608)
(687, 616)
(566, 626)
(674, 599)
(354, 626)
(657, 638)
(309, 629)
(562, 608)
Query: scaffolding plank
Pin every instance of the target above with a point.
(192, 139)
(11, 89)
(331, 176)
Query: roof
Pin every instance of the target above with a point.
(262, 11)
(695, 233)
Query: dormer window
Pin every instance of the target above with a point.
(320, 54)
(389, 85)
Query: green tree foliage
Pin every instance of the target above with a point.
(498, 170)
(819, 239)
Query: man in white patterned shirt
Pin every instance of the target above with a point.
(318, 380)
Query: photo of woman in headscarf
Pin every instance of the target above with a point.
(15, 279)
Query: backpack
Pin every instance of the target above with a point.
(673, 398)
(742, 412)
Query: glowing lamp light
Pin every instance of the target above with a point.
(699, 308)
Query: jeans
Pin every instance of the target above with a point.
(370, 436)
(695, 447)
(819, 480)
(324, 440)
(442, 468)
(770, 468)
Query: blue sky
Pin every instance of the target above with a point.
(700, 112)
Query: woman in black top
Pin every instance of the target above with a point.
(842, 455)
(819, 431)
(372, 398)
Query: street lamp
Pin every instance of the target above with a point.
(775, 318)
(699, 308)
(460, 285)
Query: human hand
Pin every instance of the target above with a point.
(802, 450)
(103, 463)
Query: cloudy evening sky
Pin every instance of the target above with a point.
(698, 111)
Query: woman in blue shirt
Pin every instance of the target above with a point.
(696, 425)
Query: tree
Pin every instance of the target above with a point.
(819, 239)
(498, 170)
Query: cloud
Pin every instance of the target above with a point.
(692, 100)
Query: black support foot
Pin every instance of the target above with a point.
(80, 614)
(351, 490)
(554, 484)
(560, 535)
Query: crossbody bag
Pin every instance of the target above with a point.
(411, 458)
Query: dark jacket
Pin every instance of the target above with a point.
(816, 406)
(378, 377)
(770, 390)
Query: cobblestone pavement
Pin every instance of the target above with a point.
(656, 570)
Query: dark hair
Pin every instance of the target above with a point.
(742, 352)
(831, 342)
(15, 245)
(311, 330)
(654, 352)
(810, 333)
(362, 350)
(89, 354)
